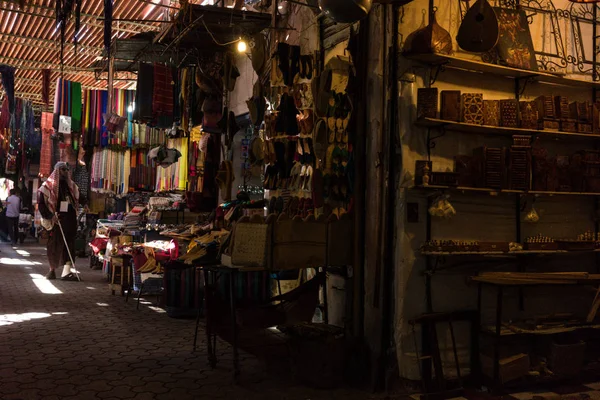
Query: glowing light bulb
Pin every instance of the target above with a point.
(241, 47)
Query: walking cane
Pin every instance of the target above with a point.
(67, 246)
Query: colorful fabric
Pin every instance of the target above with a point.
(76, 107)
(145, 90)
(46, 152)
(46, 86)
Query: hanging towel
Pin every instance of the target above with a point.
(76, 107)
(162, 99)
(46, 86)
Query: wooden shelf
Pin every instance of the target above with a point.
(514, 331)
(464, 64)
(500, 191)
(504, 253)
(498, 130)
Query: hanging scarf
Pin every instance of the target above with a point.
(49, 190)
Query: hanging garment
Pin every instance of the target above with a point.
(162, 98)
(75, 103)
(8, 84)
(143, 95)
(46, 152)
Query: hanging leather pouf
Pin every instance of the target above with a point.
(346, 11)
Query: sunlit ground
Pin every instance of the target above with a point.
(44, 285)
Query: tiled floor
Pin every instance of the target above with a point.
(74, 340)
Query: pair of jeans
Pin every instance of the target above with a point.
(13, 228)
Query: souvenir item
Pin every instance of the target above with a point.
(509, 113)
(450, 107)
(491, 112)
(427, 103)
(472, 108)
(478, 32)
(515, 47)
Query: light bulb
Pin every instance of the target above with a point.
(242, 46)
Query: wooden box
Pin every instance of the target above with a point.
(427, 103)
(585, 127)
(450, 107)
(541, 246)
(561, 105)
(510, 368)
(529, 115)
(493, 162)
(568, 125)
(491, 112)
(472, 108)
(551, 124)
(444, 178)
(509, 113)
(566, 358)
(545, 107)
(581, 111)
(519, 168)
(522, 141)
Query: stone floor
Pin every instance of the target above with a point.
(74, 340)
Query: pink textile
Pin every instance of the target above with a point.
(46, 152)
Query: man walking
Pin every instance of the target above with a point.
(58, 201)
(13, 209)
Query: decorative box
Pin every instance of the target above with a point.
(529, 115)
(491, 112)
(591, 155)
(581, 111)
(422, 168)
(540, 168)
(545, 106)
(450, 107)
(519, 168)
(561, 105)
(427, 103)
(568, 125)
(541, 246)
(494, 246)
(444, 178)
(521, 141)
(551, 124)
(585, 127)
(509, 113)
(472, 108)
(493, 166)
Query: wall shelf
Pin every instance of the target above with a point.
(458, 63)
(500, 191)
(454, 126)
(506, 253)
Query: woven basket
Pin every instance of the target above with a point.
(251, 243)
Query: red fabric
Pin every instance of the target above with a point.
(46, 152)
(98, 245)
(162, 97)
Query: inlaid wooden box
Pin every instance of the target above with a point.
(450, 105)
(529, 115)
(509, 113)
(551, 124)
(427, 103)
(568, 125)
(581, 111)
(519, 168)
(491, 112)
(493, 166)
(561, 105)
(545, 106)
(472, 108)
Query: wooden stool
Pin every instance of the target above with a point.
(120, 274)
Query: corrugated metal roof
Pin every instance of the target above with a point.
(30, 41)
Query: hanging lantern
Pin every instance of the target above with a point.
(584, 1)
